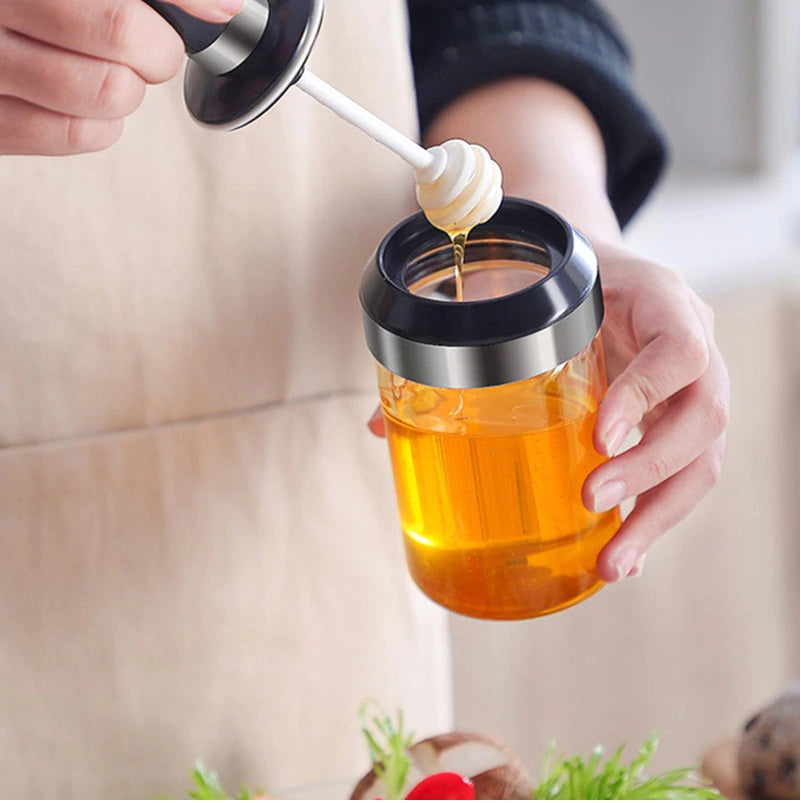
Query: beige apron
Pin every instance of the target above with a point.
(199, 555)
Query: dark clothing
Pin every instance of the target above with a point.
(458, 45)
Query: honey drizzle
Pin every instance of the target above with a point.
(459, 240)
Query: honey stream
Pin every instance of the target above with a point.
(459, 240)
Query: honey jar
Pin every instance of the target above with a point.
(490, 404)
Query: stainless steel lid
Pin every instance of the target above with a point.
(237, 71)
(490, 339)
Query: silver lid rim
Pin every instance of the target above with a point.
(198, 75)
(237, 41)
(474, 366)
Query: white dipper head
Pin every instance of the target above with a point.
(460, 188)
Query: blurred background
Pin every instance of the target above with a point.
(709, 633)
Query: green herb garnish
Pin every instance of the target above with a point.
(387, 743)
(208, 786)
(573, 778)
(593, 779)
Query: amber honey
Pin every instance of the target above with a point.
(459, 240)
(489, 482)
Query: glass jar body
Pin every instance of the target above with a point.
(488, 482)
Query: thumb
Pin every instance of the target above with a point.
(210, 10)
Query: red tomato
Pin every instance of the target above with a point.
(443, 786)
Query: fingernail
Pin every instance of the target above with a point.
(624, 561)
(608, 495)
(615, 436)
(230, 7)
(637, 569)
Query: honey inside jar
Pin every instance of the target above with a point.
(488, 483)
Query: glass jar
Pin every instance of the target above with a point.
(490, 405)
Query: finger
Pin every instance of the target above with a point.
(657, 511)
(29, 129)
(212, 10)
(697, 417)
(638, 567)
(124, 31)
(672, 359)
(376, 424)
(87, 87)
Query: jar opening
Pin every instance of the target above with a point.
(492, 268)
(534, 299)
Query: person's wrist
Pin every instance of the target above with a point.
(610, 250)
(583, 205)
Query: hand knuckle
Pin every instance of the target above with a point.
(717, 412)
(710, 466)
(119, 90)
(82, 135)
(78, 134)
(165, 61)
(164, 67)
(114, 25)
(657, 469)
(645, 394)
(694, 352)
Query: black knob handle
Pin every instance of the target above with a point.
(197, 34)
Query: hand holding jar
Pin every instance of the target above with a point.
(666, 374)
(668, 378)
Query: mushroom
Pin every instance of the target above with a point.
(768, 753)
(496, 773)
